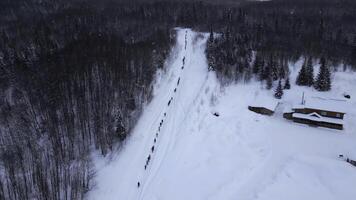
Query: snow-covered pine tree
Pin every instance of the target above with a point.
(279, 91)
(309, 72)
(261, 73)
(211, 39)
(256, 64)
(282, 71)
(302, 76)
(209, 51)
(269, 83)
(287, 84)
(323, 82)
(248, 73)
(274, 68)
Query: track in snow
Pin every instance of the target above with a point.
(159, 126)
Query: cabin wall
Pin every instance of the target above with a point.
(260, 110)
(288, 116)
(330, 114)
(321, 124)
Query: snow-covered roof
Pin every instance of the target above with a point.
(287, 109)
(318, 103)
(270, 104)
(316, 117)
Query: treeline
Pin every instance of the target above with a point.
(72, 78)
(262, 37)
(74, 74)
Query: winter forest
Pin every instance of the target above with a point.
(76, 74)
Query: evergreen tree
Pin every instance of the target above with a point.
(269, 82)
(323, 82)
(256, 65)
(211, 38)
(274, 68)
(287, 84)
(282, 71)
(279, 91)
(309, 73)
(210, 51)
(261, 73)
(302, 76)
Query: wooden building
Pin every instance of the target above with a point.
(263, 107)
(261, 110)
(318, 111)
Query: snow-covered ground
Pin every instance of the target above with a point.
(238, 155)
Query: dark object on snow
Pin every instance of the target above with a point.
(153, 149)
(178, 81)
(165, 114)
(146, 166)
(175, 89)
(216, 114)
(183, 67)
(169, 102)
(347, 96)
(156, 134)
(183, 60)
(154, 140)
(138, 184)
(352, 162)
(341, 156)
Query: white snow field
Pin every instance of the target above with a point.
(238, 155)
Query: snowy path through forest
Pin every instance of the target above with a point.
(162, 121)
(192, 154)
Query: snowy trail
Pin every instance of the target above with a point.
(236, 155)
(177, 94)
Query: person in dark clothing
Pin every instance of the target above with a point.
(154, 140)
(138, 184)
(153, 148)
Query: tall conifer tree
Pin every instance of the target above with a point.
(323, 82)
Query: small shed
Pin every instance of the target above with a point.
(263, 107)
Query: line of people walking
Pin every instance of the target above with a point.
(164, 115)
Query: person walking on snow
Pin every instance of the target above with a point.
(138, 184)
